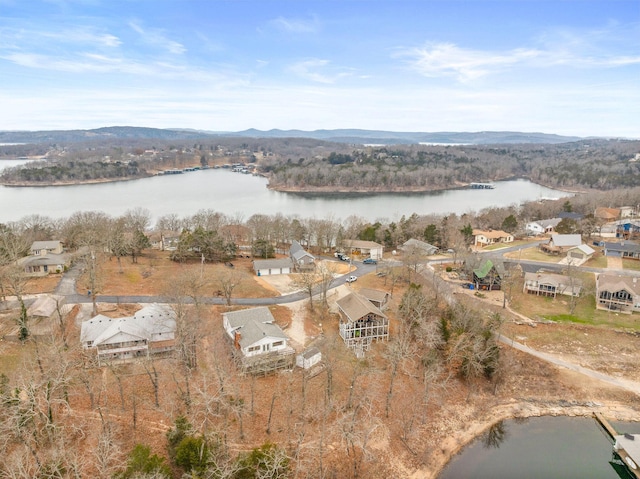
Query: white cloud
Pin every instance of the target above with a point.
(296, 25)
(157, 38)
(317, 70)
(447, 59)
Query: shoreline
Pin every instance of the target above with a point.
(451, 446)
(320, 190)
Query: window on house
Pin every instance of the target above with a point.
(278, 343)
(254, 348)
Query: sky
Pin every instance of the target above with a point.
(569, 67)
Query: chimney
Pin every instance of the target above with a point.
(236, 340)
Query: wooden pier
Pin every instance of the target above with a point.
(625, 446)
(481, 186)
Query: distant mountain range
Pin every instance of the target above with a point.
(341, 136)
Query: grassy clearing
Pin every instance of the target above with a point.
(559, 309)
(533, 254)
(631, 264)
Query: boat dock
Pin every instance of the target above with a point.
(481, 186)
(625, 446)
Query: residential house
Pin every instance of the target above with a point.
(46, 247)
(488, 276)
(366, 249)
(149, 332)
(377, 297)
(542, 227)
(266, 267)
(260, 345)
(627, 212)
(424, 248)
(551, 284)
(361, 323)
(623, 249)
(626, 229)
(46, 257)
(606, 214)
(483, 238)
(617, 293)
(579, 254)
(561, 243)
(570, 215)
(302, 260)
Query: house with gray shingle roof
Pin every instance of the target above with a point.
(425, 248)
(265, 267)
(46, 257)
(618, 293)
(254, 331)
(623, 249)
(149, 332)
(302, 260)
(561, 243)
(551, 284)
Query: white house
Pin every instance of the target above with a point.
(541, 227)
(46, 247)
(254, 332)
(369, 249)
(150, 331)
(265, 267)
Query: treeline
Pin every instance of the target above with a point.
(216, 235)
(597, 164)
(307, 164)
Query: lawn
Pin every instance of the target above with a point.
(559, 309)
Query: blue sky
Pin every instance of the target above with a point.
(568, 67)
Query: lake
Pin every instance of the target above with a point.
(544, 448)
(242, 195)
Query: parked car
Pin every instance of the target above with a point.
(370, 261)
(341, 256)
(351, 279)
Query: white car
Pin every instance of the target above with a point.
(351, 279)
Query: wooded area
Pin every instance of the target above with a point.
(299, 164)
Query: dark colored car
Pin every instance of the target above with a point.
(370, 261)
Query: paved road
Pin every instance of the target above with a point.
(67, 287)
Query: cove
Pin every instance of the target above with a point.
(540, 448)
(241, 195)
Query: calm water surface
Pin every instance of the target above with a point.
(236, 193)
(541, 448)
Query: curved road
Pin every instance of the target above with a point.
(67, 288)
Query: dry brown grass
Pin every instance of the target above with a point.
(155, 274)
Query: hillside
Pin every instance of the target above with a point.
(353, 136)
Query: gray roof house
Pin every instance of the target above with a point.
(301, 259)
(618, 293)
(377, 297)
(46, 257)
(421, 246)
(149, 332)
(265, 267)
(260, 342)
(551, 284)
(44, 247)
(623, 249)
(561, 243)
